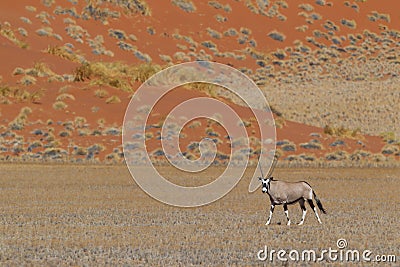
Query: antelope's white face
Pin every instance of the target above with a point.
(265, 184)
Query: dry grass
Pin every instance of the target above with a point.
(96, 215)
(7, 32)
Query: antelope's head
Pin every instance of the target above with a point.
(265, 183)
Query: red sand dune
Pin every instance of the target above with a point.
(161, 33)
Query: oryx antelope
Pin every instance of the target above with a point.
(286, 193)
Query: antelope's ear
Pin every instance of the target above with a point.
(271, 178)
(260, 178)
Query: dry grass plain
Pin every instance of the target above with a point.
(96, 215)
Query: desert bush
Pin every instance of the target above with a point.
(83, 72)
(245, 31)
(28, 80)
(165, 58)
(185, 5)
(389, 137)
(341, 131)
(215, 4)
(307, 157)
(378, 158)
(62, 52)
(7, 32)
(101, 93)
(220, 18)
(149, 135)
(18, 71)
(194, 124)
(36, 96)
(359, 155)
(213, 33)
(349, 23)
(337, 156)
(209, 44)
(231, 32)
(26, 20)
(280, 54)
(391, 149)
(288, 147)
(144, 71)
(80, 122)
(113, 100)
(64, 134)
(113, 131)
(277, 36)
(193, 146)
(306, 7)
(80, 151)
(59, 105)
(84, 132)
(313, 144)
(282, 17)
(210, 132)
(65, 96)
(96, 132)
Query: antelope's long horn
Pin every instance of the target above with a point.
(273, 166)
(259, 166)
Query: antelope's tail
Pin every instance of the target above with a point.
(319, 204)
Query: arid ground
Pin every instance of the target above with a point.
(329, 70)
(78, 215)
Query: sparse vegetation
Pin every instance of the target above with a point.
(101, 93)
(59, 105)
(113, 100)
(7, 32)
(277, 36)
(127, 212)
(185, 5)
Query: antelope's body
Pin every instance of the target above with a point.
(286, 193)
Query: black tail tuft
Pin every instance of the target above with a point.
(319, 204)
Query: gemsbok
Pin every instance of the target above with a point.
(287, 193)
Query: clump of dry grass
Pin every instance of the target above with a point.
(17, 94)
(19, 122)
(341, 131)
(115, 74)
(65, 96)
(59, 105)
(101, 93)
(83, 72)
(313, 144)
(7, 32)
(144, 71)
(62, 52)
(80, 122)
(277, 36)
(349, 23)
(185, 5)
(113, 100)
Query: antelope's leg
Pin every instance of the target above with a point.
(303, 208)
(270, 214)
(314, 209)
(287, 213)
